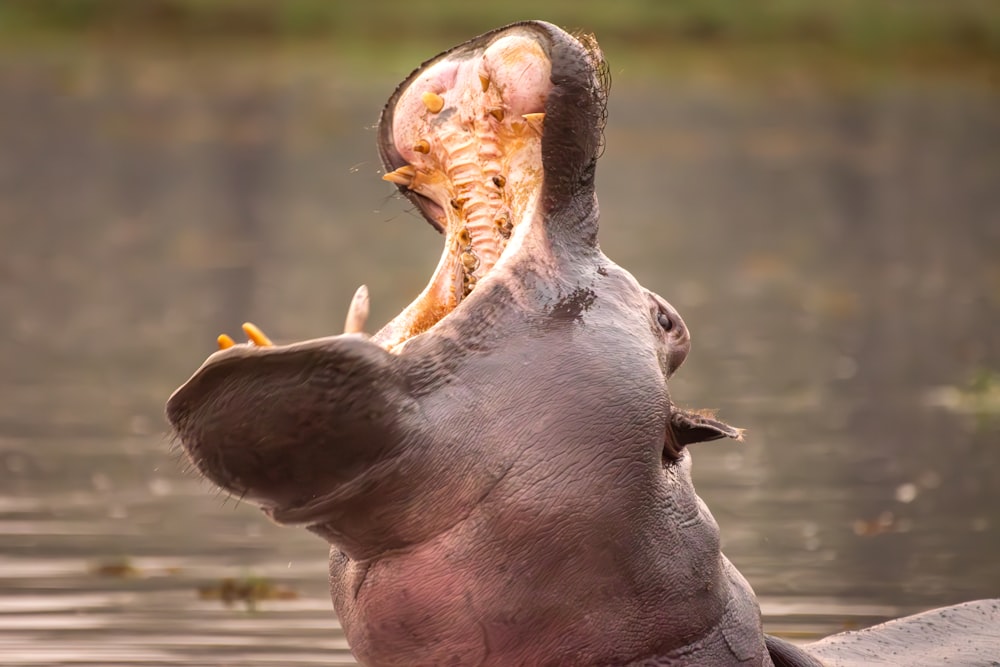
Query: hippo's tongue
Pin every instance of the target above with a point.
(462, 138)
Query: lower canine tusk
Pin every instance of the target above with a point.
(255, 335)
(357, 312)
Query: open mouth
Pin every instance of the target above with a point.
(496, 143)
(462, 139)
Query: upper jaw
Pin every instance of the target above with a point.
(492, 81)
(477, 139)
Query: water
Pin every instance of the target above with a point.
(836, 256)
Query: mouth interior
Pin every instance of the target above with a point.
(466, 146)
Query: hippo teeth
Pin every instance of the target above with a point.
(402, 176)
(357, 316)
(254, 337)
(357, 312)
(466, 139)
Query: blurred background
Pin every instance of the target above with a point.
(814, 184)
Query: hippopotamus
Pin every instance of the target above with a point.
(500, 471)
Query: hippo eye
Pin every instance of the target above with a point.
(664, 321)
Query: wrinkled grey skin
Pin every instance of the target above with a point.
(512, 488)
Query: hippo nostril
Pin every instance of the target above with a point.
(665, 321)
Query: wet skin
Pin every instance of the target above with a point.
(500, 471)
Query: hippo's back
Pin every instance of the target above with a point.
(964, 634)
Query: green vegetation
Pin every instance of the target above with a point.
(118, 569)
(979, 396)
(969, 28)
(249, 590)
(847, 42)
(983, 392)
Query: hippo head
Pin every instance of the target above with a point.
(500, 470)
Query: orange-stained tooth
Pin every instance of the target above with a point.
(470, 261)
(422, 146)
(225, 342)
(497, 113)
(255, 335)
(504, 226)
(402, 176)
(484, 81)
(535, 120)
(432, 101)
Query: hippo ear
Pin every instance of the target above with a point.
(691, 427)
